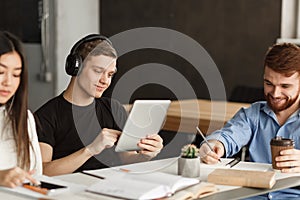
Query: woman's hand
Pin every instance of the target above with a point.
(14, 177)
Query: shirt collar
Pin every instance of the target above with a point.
(265, 108)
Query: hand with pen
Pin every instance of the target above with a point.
(211, 157)
(15, 176)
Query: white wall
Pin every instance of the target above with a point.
(290, 22)
(74, 19)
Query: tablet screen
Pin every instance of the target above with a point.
(145, 118)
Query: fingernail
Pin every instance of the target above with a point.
(36, 183)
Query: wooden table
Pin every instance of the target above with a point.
(185, 115)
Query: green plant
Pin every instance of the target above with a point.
(189, 151)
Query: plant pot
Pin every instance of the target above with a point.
(189, 167)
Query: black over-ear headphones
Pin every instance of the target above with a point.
(74, 60)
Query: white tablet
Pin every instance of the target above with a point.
(146, 117)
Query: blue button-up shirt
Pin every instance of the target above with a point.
(255, 127)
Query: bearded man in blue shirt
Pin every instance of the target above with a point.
(279, 115)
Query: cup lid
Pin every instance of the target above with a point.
(279, 141)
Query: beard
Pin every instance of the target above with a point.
(289, 101)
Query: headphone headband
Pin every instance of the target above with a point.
(74, 60)
(88, 38)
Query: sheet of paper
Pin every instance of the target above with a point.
(253, 166)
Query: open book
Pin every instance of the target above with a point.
(141, 185)
(195, 192)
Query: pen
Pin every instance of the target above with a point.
(233, 162)
(93, 175)
(205, 140)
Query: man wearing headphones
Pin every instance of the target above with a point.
(78, 128)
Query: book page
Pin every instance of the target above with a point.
(202, 189)
(174, 182)
(129, 189)
(253, 166)
(195, 192)
(141, 185)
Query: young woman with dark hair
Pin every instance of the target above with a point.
(19, 150)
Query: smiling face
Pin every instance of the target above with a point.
(10, 71)
(281, 92)
(96, 75)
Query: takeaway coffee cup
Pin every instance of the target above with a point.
(277, 144)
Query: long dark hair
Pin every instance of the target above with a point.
(17, 105)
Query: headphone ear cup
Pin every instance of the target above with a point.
(73, 64)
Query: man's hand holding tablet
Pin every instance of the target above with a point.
(145, 119)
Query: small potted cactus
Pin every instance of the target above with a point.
(189, 162)
(189, 151)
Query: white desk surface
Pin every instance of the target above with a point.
(78, 181)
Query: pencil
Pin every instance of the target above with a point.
(125, 170)
(233, 162)
(93, 175)
(36, 189)
(205, 140)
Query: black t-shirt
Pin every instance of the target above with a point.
(68, 128)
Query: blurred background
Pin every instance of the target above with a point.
(235, 33)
